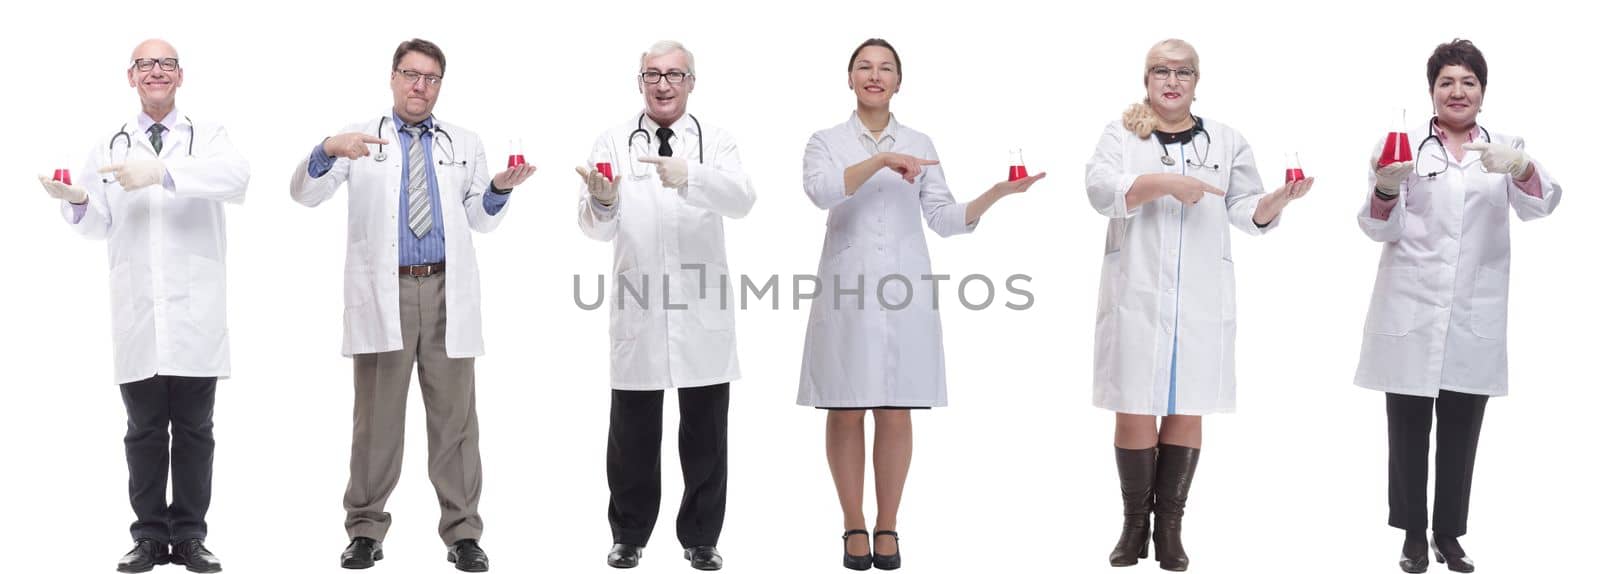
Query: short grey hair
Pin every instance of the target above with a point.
(665, 47)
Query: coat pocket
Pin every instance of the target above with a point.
(632, 297)
(1111, 282)
(1489, 297)
(208, 293)
(1229, 297)
(358, 286)
(1394, 302)
(714, 311)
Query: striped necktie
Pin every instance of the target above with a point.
(419, 208)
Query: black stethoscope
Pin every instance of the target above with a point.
(127, 140)
(383, 156)
(699, 140)
(1433, 135)
(127, 144)
(1188, 137)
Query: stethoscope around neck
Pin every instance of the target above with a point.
(127, 145)
(699, 140)
(1433, 136)
(383, 155)
(1199, 129)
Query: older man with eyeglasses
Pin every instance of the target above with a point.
(416, 185)
(658, 187)
(154, 191)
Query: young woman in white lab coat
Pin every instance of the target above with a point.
(1171, 183)
(1436, 328)
(875, 177)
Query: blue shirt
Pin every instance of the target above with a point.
(430, 247)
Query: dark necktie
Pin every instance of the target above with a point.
(155, 136)
(664, 134)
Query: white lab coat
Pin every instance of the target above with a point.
(858, 352)
(667, 246)
(167, 248)
(1168, 268)
(1438, 314)
(372, 256)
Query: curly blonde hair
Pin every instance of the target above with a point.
(1140, 118)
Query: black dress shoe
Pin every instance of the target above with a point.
(1414, 554)
(192, 554)
(1447, 550)
(853, 562)
(886, 561)
(362, 553)
(703, 557)
(624, 555)
(468, 556)
(146, 554)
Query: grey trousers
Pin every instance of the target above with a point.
(382, 381)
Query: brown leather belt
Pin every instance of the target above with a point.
(421, 270)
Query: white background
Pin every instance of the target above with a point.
(1017, 475)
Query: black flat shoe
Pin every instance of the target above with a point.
(468, 556)
(886, 561)
(851, 561)
(703, 557)
(362, 553)
(1414, 555)
(1447, 550)
(192, 554)
(624, 555)
(146, 554)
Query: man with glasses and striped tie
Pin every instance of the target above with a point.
(154, 190)
(402, 308)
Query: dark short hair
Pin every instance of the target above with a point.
(882, 43)
(419, 46)
(1458, 52)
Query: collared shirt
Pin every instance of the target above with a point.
(430, 247)
(884, 141)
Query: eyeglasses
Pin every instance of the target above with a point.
(412, 76)
(1185, 75)
(653, 77)
(147, 64)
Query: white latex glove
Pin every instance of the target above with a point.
(603, 190)
(1501, 158)
(674, 171)
(1391, 176)
(137, 173)
(64, 192)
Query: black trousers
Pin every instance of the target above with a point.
(1460, 419)
(633, 464)
(184, 404)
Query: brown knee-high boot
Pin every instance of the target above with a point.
(1137, 471)
(1174, 473)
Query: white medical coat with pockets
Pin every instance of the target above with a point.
(1437, 319)
(668, 251)
(372, 256)
(859, 353)
(1164, 323)
(167, 248)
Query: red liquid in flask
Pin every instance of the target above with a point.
(1018, 172)
(1292, 175)
(604, 168)
(63, 176)
(1396, 148)
(515, 161)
